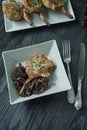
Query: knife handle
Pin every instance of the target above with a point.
(78, 100)
(70, 93)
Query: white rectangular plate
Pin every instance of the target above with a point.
(59, 79)
(52, 17)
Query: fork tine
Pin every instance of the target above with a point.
(67, 52)
(69, 48)
(66, 48)
(63, 48)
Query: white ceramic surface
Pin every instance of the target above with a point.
(53, 17)
(59, 78)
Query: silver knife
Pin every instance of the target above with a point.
(81, 68)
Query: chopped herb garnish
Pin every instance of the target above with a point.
(36, 1)
(37, 64)
(15, 6)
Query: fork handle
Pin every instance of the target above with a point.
(78, 100)
(70, 93)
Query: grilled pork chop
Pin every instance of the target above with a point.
(36, 6)
(15, 11)
(39, 66)
(57, 5)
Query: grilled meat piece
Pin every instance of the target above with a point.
(55, 5)
(15, 11)
(39, 66)
(36, 6)
(33, 6)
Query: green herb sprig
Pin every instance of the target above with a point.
(37, 64)
(15, 6)
(36, 1)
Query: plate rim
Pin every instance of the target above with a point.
(22, 100)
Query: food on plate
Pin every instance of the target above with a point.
(19, 77)
(36, 6)
(35, 77)
(39, 65)
(34, 86)
(56, 5)
(23, 10)
(16, 11)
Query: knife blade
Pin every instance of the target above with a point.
(81, 65)
(81, 69)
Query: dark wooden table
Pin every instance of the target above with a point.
(51, 112)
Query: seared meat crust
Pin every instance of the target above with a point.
(39, 66)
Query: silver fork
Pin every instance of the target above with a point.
(67, 60)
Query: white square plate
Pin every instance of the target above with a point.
(13, 57)
(52, 17)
